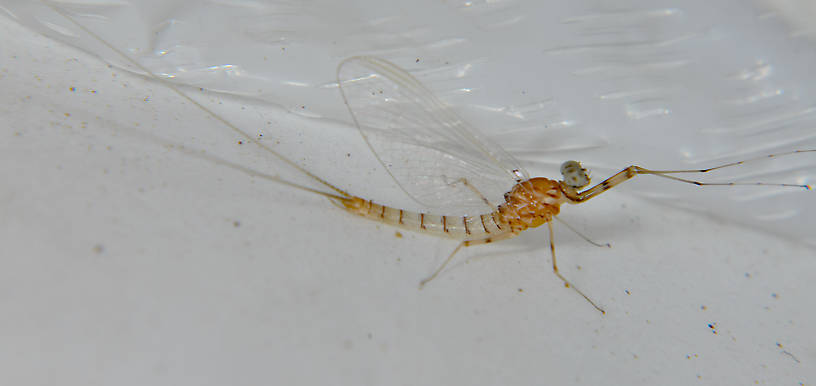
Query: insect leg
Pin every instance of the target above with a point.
(634, 170)
(583, 236)
(466, 243)
(465, 182)
(567, 282)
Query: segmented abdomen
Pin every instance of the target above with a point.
(455, 227)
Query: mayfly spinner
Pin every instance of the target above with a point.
(399, 118)
(475, 192)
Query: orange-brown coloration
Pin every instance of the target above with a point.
(483, 224)
(496, 222)
(531, 203)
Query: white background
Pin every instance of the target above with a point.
(136, 248)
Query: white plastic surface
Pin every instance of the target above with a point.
(129, 256)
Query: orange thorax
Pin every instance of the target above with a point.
(531, 203)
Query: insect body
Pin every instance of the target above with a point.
(474, 191)
(421, 142)
(531, 203)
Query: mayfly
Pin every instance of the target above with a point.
(475, 192)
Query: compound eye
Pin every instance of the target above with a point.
(574, 174)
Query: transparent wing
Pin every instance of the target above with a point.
(425, 146)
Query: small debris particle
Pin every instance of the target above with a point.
(67, 114)
(98, 248)
(398, 235)
(240, 142)
(236, 224)
(627, 292)
(73, 89)
(775, 296)
(521, 290)
(713, 327)
(703, 307)
(788, 353)
(417, 60)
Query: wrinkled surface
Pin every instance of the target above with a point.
(664, 87)
(142, 245)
